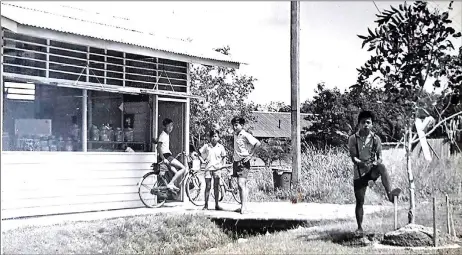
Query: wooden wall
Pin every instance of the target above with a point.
(41, 183)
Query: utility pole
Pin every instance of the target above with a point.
(295, 90)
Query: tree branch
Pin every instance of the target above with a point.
(439, 124)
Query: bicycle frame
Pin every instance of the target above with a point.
(161, 174)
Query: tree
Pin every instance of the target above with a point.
(411, 45)
(334, 118)
(274, 149)
(277, 106)
(224, 92)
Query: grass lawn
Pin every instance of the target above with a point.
(153, 234)
(323, 239)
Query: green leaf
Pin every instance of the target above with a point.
(362, 37)
(388, 69)
(370, 32)
(445, 15)
(450, 30)
(364, 43)
(457, 35)
(437, 84)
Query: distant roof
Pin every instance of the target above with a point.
(274, 124)
(79, 22)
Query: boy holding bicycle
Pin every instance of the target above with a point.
(165, 155)
(215, 158)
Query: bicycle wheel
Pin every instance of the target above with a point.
(152, 191)
(234, 189)
(193, 186)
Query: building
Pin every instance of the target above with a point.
(74, 90)
(266, 125)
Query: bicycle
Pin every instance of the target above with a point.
(157, 188)
(228, 184)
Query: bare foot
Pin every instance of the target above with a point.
(394, 193)
(173, 187)
(241, 210)
(359, 232)
(218, 208)
(206, 207)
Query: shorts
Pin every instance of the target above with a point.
(372, 175)
(241, 169)
(212, 173)
(168, 156)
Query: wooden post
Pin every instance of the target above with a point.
(396, 212)
(448, 220)
(2, 87)
(452, 223)
(295, 90)
(434, 222)
(84, 120)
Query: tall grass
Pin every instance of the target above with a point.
(327, 177)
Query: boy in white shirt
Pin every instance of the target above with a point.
(165, 155)
(215, 158)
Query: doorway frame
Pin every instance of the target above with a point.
(185, 132)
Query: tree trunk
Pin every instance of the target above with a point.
(411, 213)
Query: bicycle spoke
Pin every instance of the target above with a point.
(154, 196)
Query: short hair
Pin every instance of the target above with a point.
(239, 120)
(166, 121)
(366, 115)
(213, 132)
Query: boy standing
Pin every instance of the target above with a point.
(215, 158)
(366, 153)
(244, 148)
(165, 155)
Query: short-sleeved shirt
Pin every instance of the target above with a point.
(164, 139)
(243, 143)
(367, 151)
(213, 155)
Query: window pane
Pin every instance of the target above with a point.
(41, 118)
(113, 124)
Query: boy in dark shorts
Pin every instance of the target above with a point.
(165, 155)
(244, 148)
(366, 153)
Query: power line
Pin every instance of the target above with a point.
(377, 7)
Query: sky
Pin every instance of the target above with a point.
(258, 34)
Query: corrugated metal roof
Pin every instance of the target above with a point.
(274, 124)
(82, 23)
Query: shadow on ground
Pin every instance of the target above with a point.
(344, 237)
